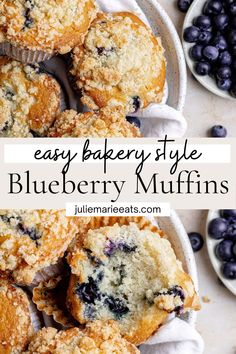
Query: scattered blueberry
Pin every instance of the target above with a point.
(229, 270)
(184, 5)
(217, 228)
(88, 292)
(211, 53)
(232, 8)
(232, 37)
(191, 34)
(218, 131)
(224, 250)
(196, 52)
(203, 22)
(203, 68)
(135, 121)
(196, 241)
(234, 250)
(233, 22)
(233, 50)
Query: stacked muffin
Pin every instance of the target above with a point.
(118, 66)
(107, 283)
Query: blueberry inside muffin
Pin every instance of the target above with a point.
(130, 276)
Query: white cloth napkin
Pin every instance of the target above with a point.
(159, 119)
(175, 337)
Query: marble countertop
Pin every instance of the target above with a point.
(217, 319)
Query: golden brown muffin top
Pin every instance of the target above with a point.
(51, 26)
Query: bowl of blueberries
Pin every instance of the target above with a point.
(221, 245)
(209, 41)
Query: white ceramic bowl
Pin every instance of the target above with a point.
(183, 250)
(211, 245)
(206, 81)
(176, 68)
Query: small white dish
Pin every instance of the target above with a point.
(211, 245)
(206, 81)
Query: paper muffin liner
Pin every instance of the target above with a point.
(24, 55)
(36, 320)
(50, 297)
(50, 272)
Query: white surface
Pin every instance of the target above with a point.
(206, 81)
(203, 109)
(211, 245)
(216, 321)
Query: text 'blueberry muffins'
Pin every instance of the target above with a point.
(15, 321)
(96, 338)
(131, 276)
(34, 30)
(29, 100)
(31, 240)
(107, 123)
(120, 62)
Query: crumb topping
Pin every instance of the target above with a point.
(105, 124)
(29, 100)
(50, 25)
(120, 62)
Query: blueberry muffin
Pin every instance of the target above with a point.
(96, 338)
(31, 240)
(15, 321)
(131, 276)
(29, 100)
(106, 123)
(35, 30)
(120, 62)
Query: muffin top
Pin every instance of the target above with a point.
(29, 99)
(50, 26)
(120, 62)
(131, 276)
(15, 321)
(107, 123)
(31, 240)
(97, 338)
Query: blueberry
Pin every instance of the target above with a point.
(232, 9)
(233, 90)
(225, 58)
(224, 250)
(105, 51)
(213, 7)
(135, 121)
(203, 68)
(32, 232)
(203, 22)
(221, 21)
(228, 213)
(204, 37)
(110, 248)
(217, 228)
(124, 247)
(211, 53)
(196, 241)
(232, 37)
(233, 22)
(224, 72)
(196, 52)
(234, 250)
(229, 270)
(88, 292)
(191, 34)
(231, 231)
(233, 50)
(224, 84)
(219, 42)
(218, 131)
(28, 20)
(184, 5)
(136, 103)
(117, 306)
